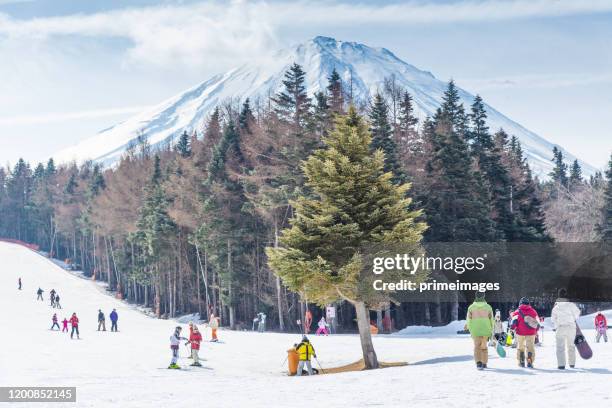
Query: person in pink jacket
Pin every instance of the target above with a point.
(601, 326)
(322, 327)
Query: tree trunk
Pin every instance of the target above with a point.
(279, 302)
(367, 347)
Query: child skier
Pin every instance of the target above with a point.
(305, 352)
(65, 325)
(114, 318)
(74, 322)
(601, 326)
(480, 325)
(322, 327)
(101, 320)
(54, 319)
(564, 315)
(39, 292)
(195, 338)
(213, 323)
(175, 340)
(526, 326)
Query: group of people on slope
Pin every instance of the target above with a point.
(114, 317)
(525, 323)
(74, 323)
(53, 296)
(195, 339)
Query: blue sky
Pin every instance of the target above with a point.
(71, 68)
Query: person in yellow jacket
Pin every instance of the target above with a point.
(480, 325)
(305, 353)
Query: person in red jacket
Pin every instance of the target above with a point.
(525, 327)
(601, 326)
(195, 338)
(74, 322)
(65, 325)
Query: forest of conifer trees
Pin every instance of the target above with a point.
(185, 228)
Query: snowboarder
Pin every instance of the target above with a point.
(195, 338)
(39, 292)
(322, 327)
(101, 321)
(525, 326)
(601, 326)
(480, 325)
(57, 302)
(564, 315)
(54, 319)
(213, 323)
(261, 326)
(307, 321)
(65, 325)
(305, 352)
(114, 317)
(74, 322)
(19, 283)
(175, 340)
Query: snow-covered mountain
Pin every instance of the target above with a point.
(362, 66)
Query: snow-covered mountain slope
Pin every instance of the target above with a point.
(127, 369)
(362, 68)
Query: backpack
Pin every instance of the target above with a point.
(530, 321)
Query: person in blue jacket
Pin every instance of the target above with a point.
(114, 317)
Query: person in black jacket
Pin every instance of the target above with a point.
(101, 321)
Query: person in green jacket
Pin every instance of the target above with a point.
(480, 325)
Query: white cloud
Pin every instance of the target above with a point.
(532, 81)
(65, 116)
(202, 33)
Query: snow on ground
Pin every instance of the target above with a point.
(128, 369)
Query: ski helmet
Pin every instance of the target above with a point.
(305, 338)
(524, 301)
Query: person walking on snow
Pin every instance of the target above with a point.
(54, 319)
(65, 325)
(261, 326)
(195, 338)
(601, 326)
(52, 297)
(114, 318)
(19, 283)
(307, 321)
(480, 325)
(57, 302)
(101, 321)
(175, 340)
(305, 352)
(564, 315)
(498, 329)
(74, 322)
(322, 327)
(39, 292)
(213, 323)
(525, 326)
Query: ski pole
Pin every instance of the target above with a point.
(321, 367)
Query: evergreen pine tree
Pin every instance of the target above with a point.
(183, 147)
(575, 176)
(382, 136)
(559, 172)
(355, 204)
(335, 93)
(246, 118)
(292, 103)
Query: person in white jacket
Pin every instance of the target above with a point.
(564, 315)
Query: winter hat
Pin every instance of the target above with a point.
(305, 338)
(562, 293)
(480, 294)
(524, 301)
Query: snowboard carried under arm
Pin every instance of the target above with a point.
(582, 345)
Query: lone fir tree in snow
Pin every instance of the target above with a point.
(354, 204)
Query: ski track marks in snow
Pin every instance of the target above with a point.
(122, 369)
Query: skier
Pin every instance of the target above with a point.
(307, 321)
(526, 326)
(480, 325)
(213, 323)
(39, 292)
(52, 297)
(74, 322)
(601, 325)
(261, 327)
(195, 338)
(114, 317)
(57, 302)
(564, 315)
(65, 325)
(305, 352)
(54, 319)
(175, 340)
(19, 283)
(101, 320)
(322, 327)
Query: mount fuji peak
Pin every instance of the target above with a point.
(364, 68)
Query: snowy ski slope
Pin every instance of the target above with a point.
(127, 369)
